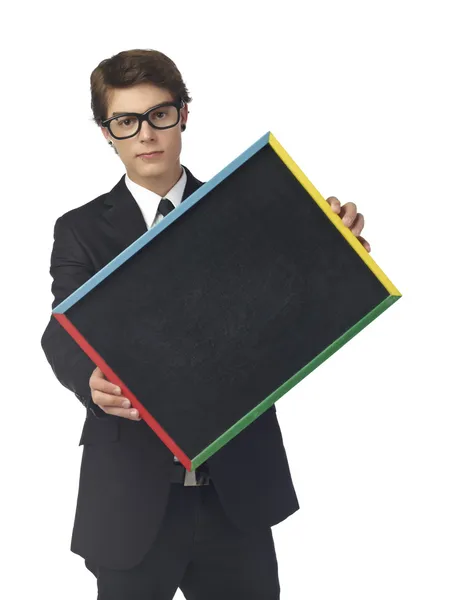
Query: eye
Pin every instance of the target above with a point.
(126, 121)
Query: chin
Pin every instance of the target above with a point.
(156, 168)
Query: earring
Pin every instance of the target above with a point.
(183, 127)
(110, 143)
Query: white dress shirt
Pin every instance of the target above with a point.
(148, 202)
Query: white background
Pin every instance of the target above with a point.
(356, 92)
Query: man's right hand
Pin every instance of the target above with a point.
(108, 397)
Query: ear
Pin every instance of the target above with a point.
(105, 132)
(184, 113)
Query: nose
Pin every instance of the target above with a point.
(146, 131)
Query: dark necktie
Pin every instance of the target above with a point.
(165, 206)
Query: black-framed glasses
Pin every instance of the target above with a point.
(161, 116)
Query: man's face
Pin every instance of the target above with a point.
(140, 98)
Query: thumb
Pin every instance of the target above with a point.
(98, 372)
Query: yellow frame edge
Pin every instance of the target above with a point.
(336, 220)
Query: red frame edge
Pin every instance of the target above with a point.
(98, 360)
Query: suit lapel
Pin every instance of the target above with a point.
(124, 215)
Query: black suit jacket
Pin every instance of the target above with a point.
(125, 468)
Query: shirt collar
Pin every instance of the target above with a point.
(148, 201)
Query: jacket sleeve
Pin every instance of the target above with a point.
(70, 267)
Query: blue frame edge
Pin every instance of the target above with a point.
(126, 254)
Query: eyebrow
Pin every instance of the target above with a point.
(124, 112)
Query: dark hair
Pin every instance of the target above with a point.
(132, 67)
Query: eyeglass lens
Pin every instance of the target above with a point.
(126, 125)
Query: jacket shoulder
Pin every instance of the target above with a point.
(84, 212)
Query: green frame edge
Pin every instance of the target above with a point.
(287, 385)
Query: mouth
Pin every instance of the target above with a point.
(150, 154)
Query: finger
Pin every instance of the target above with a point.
(111, 404)
(103, 385)
(97, 372)
(132, 414)
(348, 213)
(365, 244)
(358, 224)
(334, 203)
(103, 399)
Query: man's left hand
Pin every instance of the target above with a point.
(350, 217)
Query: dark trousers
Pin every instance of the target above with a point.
(199, 551)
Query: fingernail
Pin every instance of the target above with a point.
(126, 404)
(134, 413)
(117, 390)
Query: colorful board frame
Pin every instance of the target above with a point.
(82, 312)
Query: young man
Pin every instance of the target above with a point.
(142, 525)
